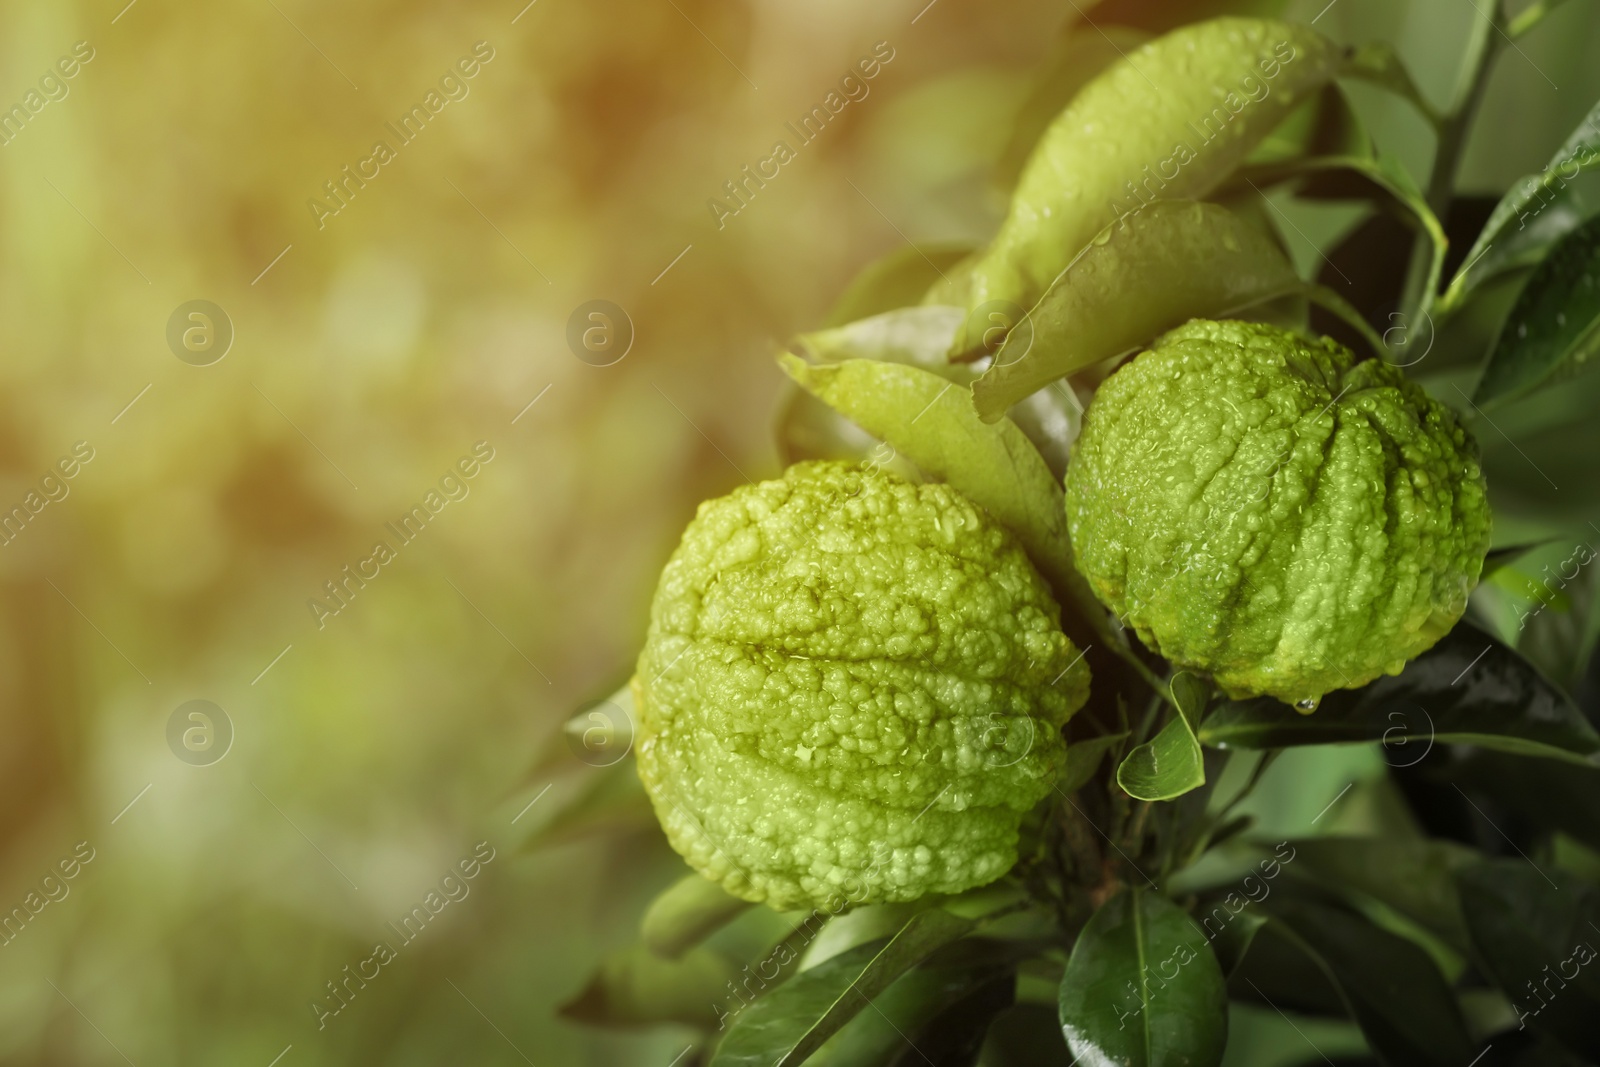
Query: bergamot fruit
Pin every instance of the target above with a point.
(1269, 510)
(852, 690)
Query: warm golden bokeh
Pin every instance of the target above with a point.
(374, 348)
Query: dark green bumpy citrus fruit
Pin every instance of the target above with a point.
(1269, 510)
(852, 690)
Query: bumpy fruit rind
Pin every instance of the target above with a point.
(852, 691)
(1271, 511)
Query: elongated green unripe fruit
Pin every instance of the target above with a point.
(852, 691)
(1170, 121)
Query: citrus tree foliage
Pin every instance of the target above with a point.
(963, 725)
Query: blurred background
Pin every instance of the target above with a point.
(346, 762)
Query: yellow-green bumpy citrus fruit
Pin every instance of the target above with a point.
(1269, 510)
(852, 690)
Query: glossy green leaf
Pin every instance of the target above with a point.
(918, 336)
(1547, 604)
(1540, 941)
(926, 1012)
(787, 1025)
(635, 987)
(1553, 330)
(1415, 878)
(1052, 419)
(1232, 940)
(1083, 759)
(896, 280)
(1159, 16)
(1388, 984)
(931, 422)
(1143, 989)
(1082, 53)
(1026, 1035)
(1549, 796)
(685, 914)
(1467, 689)
(1538, 211)
(954, 1035)
(809, 429)
(1170, 121)
(1170, 764)
(1502, 557)
(1150, 271)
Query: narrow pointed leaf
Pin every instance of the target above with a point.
(1467, 689)
(1389, 985)
(1539, 941)
(1083, 759)
(1538, 211)
(787, 1025)
(1377, 62)
(1553, 330)
(1415, 878)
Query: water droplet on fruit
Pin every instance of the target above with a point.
(1308, 705)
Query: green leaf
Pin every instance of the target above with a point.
(1538, 941)
(1324, 125)
(954, 1034)
(1547, 604)
(1388, 984)
(1150, 271)
(1169, 14)
(1083, 759)
(1080, 55)
(1554, 327)
(896, 280)
(635, 987)
(932, 1007)
(809, 429)
(1550, 796)
(1171, 764)
(1232, 941)
(1143, 989)
(1369, 174)
(571, 798)
(787, 1025)
(1170, 121)
(1415, 878)
(931, 422)
(1377, 62)
(1537, 212)
(1467, 689)
(918, 336)
(1026, 1035)
(686, 914)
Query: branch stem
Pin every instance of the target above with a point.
(1482, 47)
